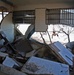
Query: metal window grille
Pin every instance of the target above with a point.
(26, 16)
(60, 16)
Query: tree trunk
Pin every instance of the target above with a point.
(68, 38)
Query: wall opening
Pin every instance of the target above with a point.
(22, 28)
(2, 15)
(55, 32)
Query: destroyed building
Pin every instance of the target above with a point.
(36, 37)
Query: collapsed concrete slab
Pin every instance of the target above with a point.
(62, 53)
(42, 66)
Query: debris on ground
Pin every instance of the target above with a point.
(29, 57)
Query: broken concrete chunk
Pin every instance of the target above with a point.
(3, 54)
(9, 62)
(41, 66)
(63, 53)
(10, 71)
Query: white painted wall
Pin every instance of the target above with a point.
(7, 27)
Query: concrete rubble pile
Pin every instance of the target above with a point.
(29, 57)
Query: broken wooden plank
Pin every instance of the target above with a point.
(42, 66)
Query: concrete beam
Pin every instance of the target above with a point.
(8, 7)
(7, 2)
